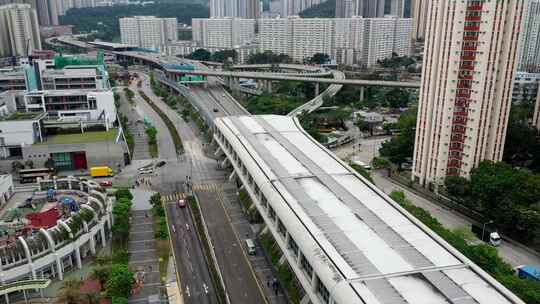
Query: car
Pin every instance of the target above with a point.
(215, 110)
(105, 183)
(146, 171)
(181, 203)
(161, 164)
(223, 95)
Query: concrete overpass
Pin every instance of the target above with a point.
(282, 77)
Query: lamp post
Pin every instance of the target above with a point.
(484, 228)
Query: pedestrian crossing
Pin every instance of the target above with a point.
(210, 187)
(173, 197)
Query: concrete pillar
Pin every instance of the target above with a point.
(93, 245)
(307, 300)
(78, 257)
(102, 232)
(55, 183)
(225, 163)
(317, 86)
(218, 152)
(59, 269)
(269, 86)
(232, 176)
(314, 281)
(362, 93)
(263, 230)
(70, 186)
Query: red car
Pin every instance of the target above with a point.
(105, 183)
(181, 203)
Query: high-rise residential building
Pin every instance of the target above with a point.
(466, 88)
(530, 38)
(294, 7)
(223, 32)
(397, 8)
(63, 6)
(364, 8)
(419, 10)
(354, 40)
(148, 31)
(247, 9)
(47, 10)
(19, 30)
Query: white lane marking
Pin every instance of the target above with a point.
(187, 291)
(205, 288)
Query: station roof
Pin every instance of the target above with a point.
(383, 253)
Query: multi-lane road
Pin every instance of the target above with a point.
(190, 263)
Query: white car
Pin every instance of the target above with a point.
(149, 170)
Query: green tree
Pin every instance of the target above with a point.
(120, 281)
(458, 187)
(200, 54)
(268, 57)
(400, 147)
(225, 55)
(101, 274)
(319, 58)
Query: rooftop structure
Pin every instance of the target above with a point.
(346, 241)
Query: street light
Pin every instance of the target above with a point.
(484, 228)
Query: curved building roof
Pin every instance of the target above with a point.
(363, 246)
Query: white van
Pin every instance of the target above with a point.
(250, 246)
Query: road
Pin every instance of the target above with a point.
(191, 266)
(237, 274)
(512, 254)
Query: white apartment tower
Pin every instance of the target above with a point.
(148, 31)
(419, 10)
(248, 9)
(466, 87)
(19, 30)
(397, 8)
(347, 40)
(530, 38)
(223, 32)
(294, 7)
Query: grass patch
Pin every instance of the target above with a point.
(79, 138)
(168, 123)
(164, 251)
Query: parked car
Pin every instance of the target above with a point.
(161, 164)
(105, 183)
(215, 110)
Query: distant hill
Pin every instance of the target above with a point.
(324, 10)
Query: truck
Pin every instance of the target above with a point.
(102, 171)
(528, 272)
(487, 234)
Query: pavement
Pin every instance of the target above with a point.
(143, 259)
(140, 149)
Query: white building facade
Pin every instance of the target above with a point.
(19, 30)
(530, 38)
(148, 32)
(466, 87)
(223, 32)
(354, 40)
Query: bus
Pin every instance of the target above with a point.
(31, 175)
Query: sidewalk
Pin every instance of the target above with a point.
(143, 259)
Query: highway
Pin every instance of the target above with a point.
(239, 279)
(191, 265)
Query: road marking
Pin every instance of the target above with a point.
(187, 291)
(205, 288)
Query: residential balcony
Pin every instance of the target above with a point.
(472, 28)
(468, 58)
(467, 67)
(474, 8)
(465, 77)
(470, 38)
(461, 114)
(470, 48)
(473, 18)
(464, 85)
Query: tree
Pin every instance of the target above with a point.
(70, 291)
(100, 273)
(400, 148)
(29, 164)
(92, 298)
(200, 54)
(16, 166)
(319, 58)
(224, 56)
(521, 145)
(268, 57)
(458, 187)
(120, 281)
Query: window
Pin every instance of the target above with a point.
(323, 292)
(306, 267)
(293, 246)
(281, 229)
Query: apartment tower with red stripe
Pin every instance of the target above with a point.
(470, 58)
